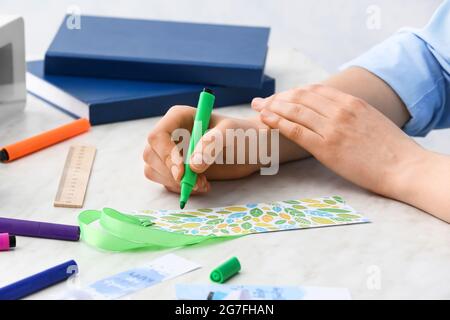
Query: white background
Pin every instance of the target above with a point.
(329, 32)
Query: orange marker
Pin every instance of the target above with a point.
(43, 140)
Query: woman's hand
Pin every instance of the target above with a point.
(346, 134)
(164, 163)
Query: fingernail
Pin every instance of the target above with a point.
(257, 103)
(176, 158)
(195, 187)
(203, 182)
(197, 159)
(269, 116)
(175, 171)
(208, 138)
(205, 186)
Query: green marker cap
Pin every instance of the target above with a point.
(226, 270)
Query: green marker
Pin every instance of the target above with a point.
(201, 124)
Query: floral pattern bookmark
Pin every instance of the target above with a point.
(256, 217)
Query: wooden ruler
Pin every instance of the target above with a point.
(74, 180)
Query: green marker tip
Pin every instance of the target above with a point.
(182, 204)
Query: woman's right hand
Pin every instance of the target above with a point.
(164, 162)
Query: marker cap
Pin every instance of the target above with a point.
(43, 140)
(39, 281)
(7, 241)
(226, 270)
(39, 229)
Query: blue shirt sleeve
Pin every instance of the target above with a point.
(416, 65)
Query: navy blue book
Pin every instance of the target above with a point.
(110, 100)
(160, 51)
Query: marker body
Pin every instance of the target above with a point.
(39, 281)
(7, 241)
(39, 229)
(201, 124)
(43, 140)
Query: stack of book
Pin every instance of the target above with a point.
(114, 69)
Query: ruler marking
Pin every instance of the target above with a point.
(75, 177)
(64, 174)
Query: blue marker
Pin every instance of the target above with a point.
(39, 281)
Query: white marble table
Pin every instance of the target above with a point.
(408, 249)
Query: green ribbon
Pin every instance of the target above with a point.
(122, 232)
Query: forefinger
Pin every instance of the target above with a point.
(160, 139)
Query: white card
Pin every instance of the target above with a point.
(121, 284)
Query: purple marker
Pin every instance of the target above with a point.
(39, 229)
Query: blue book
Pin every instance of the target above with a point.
(160, 51)
(110, 100)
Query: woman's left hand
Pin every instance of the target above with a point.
(346, 134)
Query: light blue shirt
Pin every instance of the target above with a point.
(416, 64)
